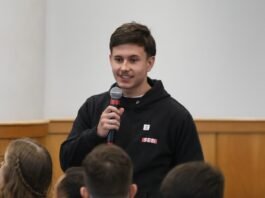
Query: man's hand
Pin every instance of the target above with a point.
(109, 119)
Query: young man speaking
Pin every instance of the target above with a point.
(154, 129)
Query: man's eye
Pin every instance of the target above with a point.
(133, 60)
(119, 60)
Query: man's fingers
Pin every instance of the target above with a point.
(110, 119)
(111, 109)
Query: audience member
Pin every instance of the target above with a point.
(109, 173)
(193, 180)
(70, 183)
(26, 170)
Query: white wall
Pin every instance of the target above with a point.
(210, 53)
(22, 32)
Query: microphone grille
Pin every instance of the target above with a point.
(115, 93)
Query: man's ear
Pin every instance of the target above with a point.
(84, 192)
(133, 190)
(151, 62)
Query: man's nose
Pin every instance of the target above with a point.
(125, 66)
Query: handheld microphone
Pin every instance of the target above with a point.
(115, 95)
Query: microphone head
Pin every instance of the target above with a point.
(115, 93)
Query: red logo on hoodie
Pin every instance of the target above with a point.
(149, 140)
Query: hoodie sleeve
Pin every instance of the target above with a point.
(188, 144)
(82, 138)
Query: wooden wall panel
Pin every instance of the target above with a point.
(3, 145)
(208, 142)
(10, 131)
(241, 157)
(58, 132)
(23, 129)
(53, 143)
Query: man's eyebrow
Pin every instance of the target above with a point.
(130, 56)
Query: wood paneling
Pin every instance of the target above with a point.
(3, 145)
(60, 126)
(208, 142)
(241, 157)
(23, 129)
(53, 143)
(228, 126)
(58, 132)
(8, 131)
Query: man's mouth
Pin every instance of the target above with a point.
(125, 77)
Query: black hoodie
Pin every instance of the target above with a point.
(155, 130)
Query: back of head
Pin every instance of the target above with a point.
(27, 169)
(108, 172)
(134, 33)
(193, 180)
(70, 183)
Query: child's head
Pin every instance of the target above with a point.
(26, 170)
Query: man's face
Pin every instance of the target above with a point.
(130, 66)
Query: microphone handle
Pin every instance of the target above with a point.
(110, 138)
(111, 134)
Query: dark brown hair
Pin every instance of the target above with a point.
(193, 180)
(73, 180)
(134, 33)
(108, 172)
